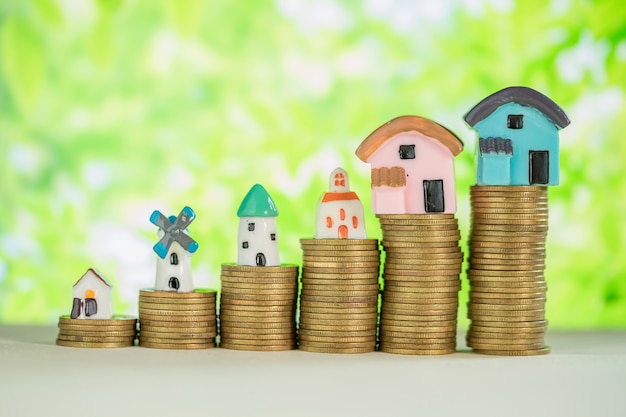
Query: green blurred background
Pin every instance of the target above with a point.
(111, 109)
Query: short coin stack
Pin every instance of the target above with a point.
(173, 320)
(258, 307)
(119, 331)
(339, 299)
(421, 283)
(506, 270)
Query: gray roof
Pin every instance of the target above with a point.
(521, 95)
(495, 145)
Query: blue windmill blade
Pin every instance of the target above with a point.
(184, 219)
(163, 245)
(187, 242)
(158, 219)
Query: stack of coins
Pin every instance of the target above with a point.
(258, 307)
(339, 299)
(119, 331)
(173, 320)
(421, 283)
(506, 270)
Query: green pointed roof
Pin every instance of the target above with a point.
(257, 203)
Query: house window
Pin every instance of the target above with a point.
(342, 214)
(329, 222)
(244, 245)
(273, 236)
(515, 121)
(174, 259)
(250, 227)
(340, 180)
(407, 151)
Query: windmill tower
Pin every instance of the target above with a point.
(174, 249)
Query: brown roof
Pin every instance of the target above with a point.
(100, 277)
(407, 124)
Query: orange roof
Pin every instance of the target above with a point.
(100, 277)
(350, 195)
(402, 124)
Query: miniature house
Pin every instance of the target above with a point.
(518, 139)
(174, 271)
(340, 212)
(92, 297)
(257, 229)
(412, 166)
(174, 250)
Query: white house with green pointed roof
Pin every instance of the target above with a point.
(257, 229)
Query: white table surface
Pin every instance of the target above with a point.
(585, 375)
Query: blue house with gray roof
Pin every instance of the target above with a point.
(518, 138)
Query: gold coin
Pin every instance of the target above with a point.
(288, 341)
(361, 323)
(98, 328)
(260, 286)
(346, 278)
(111, 333)
(505, 308)
(256, 281)
(259, 309)
(259, 276)
(176, 318)
(390, 245)
(510, 208)
(96, 339)
(257, 324)
(426, 334)
(420, 234)
(178, 301)
(451, 287)
(197, 293)
(342, 252)
(513, 189)
(242, 331)
(261, 292)
(306, 292)
(491, 346)
(341, 259)
(538, 301)
(501, 257)
(488, 337)
(501, 317)
(339, 333)
(404, 262)
(167, 338)
(417, 250)
(423, 345)
(307, 344)
(156, 312)
(229, 301)
(393, 307)
(419, 274)
(337, 339)
(206, 321)
(340, 299)
(532, 250)
(524, 352)
(508, 227)
(68, 343)
(227, 318)
(420, 303)
(420, 327)
(540, 323)
(338, 316)
(394, 318)
(415, 298)
(518, 275)
(233, 334)
(116, 320)
(317, 349)
(268, 348)
(316, 308)
(179, 346)
(428, 279)
(391, 349)
(419, 341)
(187, 332)
(340, 265)
(417, 216)
(500, 267)
(485, 289)
(419, 228)
(244, 313)
(341, 287)
(342, 271)
(176, 307)
(370, 327)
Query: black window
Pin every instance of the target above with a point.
(515, 121)
(174, 259)
(407, 151)
(244, 245)
(273, 236)
(91, 307)
(250, 227)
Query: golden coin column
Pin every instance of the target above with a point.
(258, 307)
(173, 320)
(506, 270)
(119, 331)
(421, 283)
(339, 299)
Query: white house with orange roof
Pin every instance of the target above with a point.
(412, 166)
(340, 212)
(92, 297)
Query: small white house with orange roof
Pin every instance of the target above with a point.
(340, 212)
(412, 166)
(92, 297)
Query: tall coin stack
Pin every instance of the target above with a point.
(119, 331)
(339, 299)
(506, 270)
(258, 307)
(421, 283)
(173, 320)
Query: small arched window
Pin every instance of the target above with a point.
(174, 259)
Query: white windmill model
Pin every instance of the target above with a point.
(174, 250)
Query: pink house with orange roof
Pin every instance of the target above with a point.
(412, 166)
